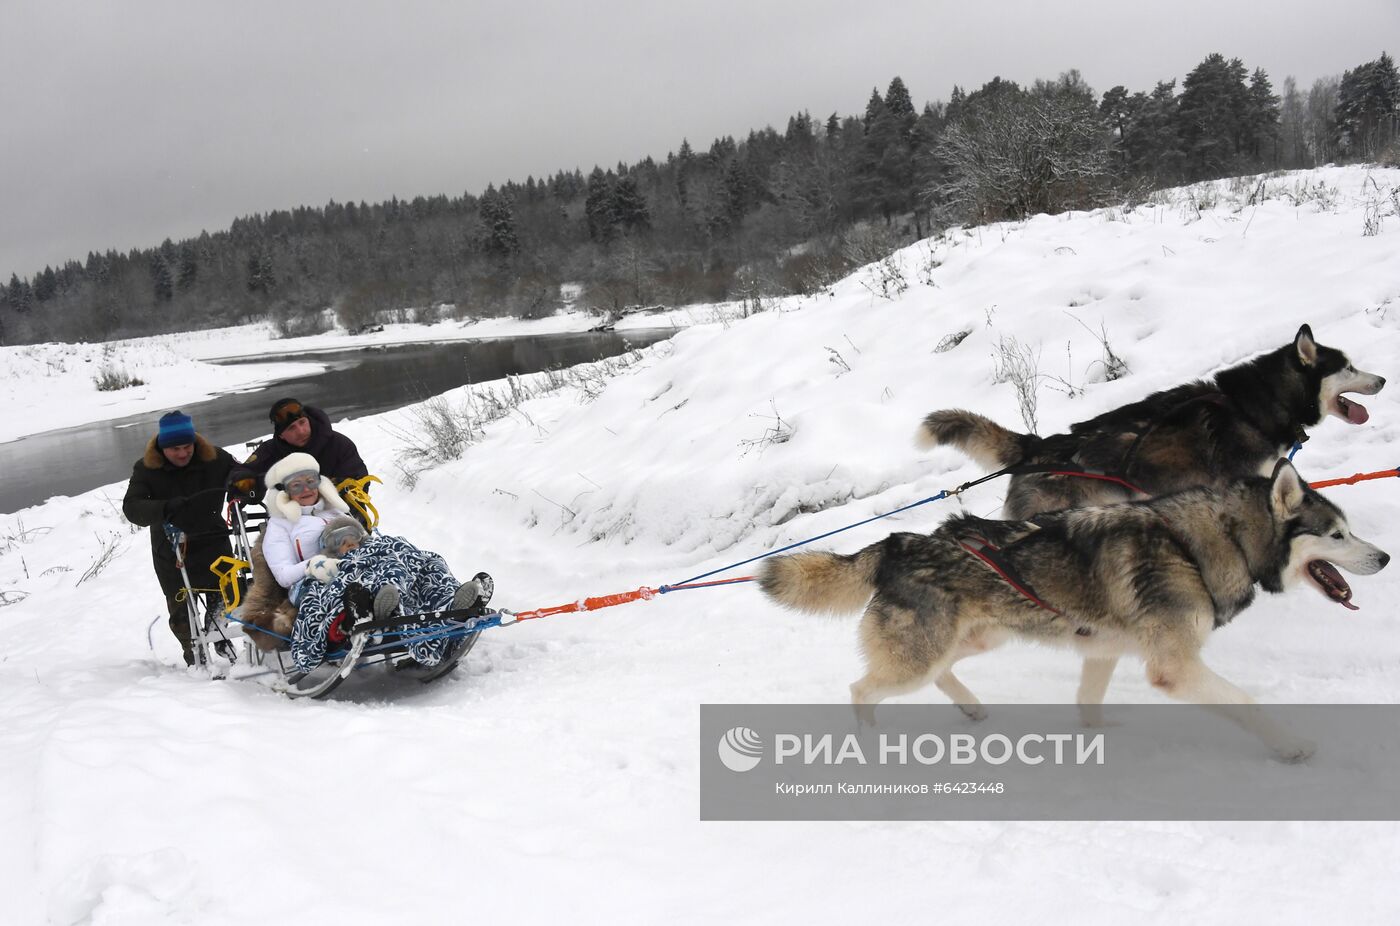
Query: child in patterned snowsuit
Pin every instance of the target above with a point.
(376, 561)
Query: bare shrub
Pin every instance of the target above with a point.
(778, 431)
(1019, 365)
(1326, 197)
(441, 430)
(751, 288)
(428, 314)
(360, 307)
(1379, 206)
(885, 278)
(1114, 366)
(928, 262)
(873, 246)
(298, 321)
(812, 271)
(533, 296)
(864, 243)
(110, 378)
(21, 536)
(447, 430)
(111, 546)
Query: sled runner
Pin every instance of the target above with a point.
(358, 637)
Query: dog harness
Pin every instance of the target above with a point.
(1047, 469)
(1216, 398)
(989, 553)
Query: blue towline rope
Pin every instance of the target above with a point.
(675, 587)
(459, 629)
(270, 633)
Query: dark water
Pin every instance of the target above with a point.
(356, 383)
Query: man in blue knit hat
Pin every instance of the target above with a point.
(179, 480)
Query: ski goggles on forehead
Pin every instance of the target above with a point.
(287, 414)
(298, 483)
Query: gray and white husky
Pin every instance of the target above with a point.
(1203, 433)
(1149, 578)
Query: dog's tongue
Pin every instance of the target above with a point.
(1355, 412)
(1332, 583)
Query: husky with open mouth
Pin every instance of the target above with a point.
(1150, 578)
(1205, 433)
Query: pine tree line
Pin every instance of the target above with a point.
(775, 212)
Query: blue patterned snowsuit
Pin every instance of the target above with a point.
(424, 584)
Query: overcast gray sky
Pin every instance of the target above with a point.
(129, 122)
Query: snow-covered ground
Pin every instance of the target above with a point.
(555, 778)
(49, 386)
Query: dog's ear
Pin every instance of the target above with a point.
(1287, 493)
(1305, 346)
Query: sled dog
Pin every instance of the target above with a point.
(1204, 433)
(1148, 578)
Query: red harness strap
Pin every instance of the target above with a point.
(1050, 469)
(1105, 477)
(983, 549)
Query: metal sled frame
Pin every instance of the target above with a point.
(207, 627)
(368, 642)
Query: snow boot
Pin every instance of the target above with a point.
(487, 587)
(473, 596)
(386, 602)
(359, 604)
(466, 597)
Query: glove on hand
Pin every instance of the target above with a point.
(322, 568)
(243, 486)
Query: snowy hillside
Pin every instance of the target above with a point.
(555, 779)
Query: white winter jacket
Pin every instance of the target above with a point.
(287, 545)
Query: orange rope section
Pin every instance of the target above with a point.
(1353, 480)
(588, 604)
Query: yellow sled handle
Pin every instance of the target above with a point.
(227, 569)
(356, 495)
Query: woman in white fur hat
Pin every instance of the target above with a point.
(300, 501)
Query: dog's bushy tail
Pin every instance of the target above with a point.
(822, 583)
(987, 442)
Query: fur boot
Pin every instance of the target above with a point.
(266, 606)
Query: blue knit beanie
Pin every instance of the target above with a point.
(176, 428)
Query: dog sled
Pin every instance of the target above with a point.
(225, 646)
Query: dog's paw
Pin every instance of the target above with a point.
(974, 711)
(865, 715)
(1292, 748)
(1091, 716)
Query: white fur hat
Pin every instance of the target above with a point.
(281, 505)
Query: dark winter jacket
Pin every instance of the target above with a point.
(337, 454)
(155, 481)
